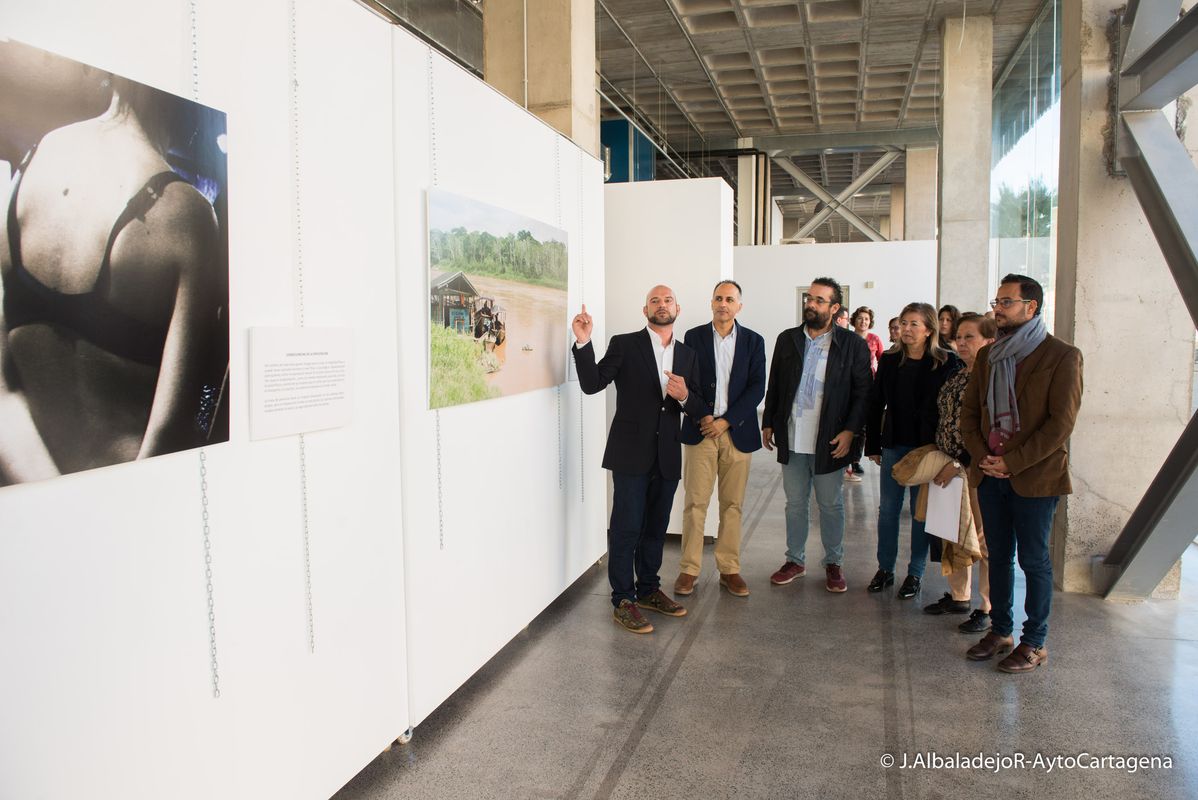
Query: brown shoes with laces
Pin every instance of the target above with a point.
(660, 602)
(630, 617)
(685, 584)
(990, 646)
(735, 584)
(1023, 659)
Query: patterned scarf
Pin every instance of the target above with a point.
(1005, 355)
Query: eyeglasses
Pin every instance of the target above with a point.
(1006, 302)
(819, 301)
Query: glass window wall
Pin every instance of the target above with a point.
(1025, 154)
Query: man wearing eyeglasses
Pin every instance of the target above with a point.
(815, 399)
(1017, 414)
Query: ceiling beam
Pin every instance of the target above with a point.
(847, 141)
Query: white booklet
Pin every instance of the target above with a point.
(944, 510)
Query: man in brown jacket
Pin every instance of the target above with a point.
(1018, 411)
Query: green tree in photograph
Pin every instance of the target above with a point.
(516, 257)
(456, 374)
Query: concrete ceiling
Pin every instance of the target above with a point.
(702, 73)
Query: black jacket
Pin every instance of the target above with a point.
(645, 427)
(746, 385)
(879, 430)
(846, 389)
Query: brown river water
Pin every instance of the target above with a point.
(536, 317)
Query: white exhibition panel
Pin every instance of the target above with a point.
(677, 233)
(105, 684)
(774, 278)
(497, 519)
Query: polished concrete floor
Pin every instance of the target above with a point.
(795, 692)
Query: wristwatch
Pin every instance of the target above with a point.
(957, 464)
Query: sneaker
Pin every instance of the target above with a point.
(660, 602)
(978, 621)
(880, 581)
(910, 587)
(734, 583)
(857, 468)
(947, 605)
(852, 477)
(834, 581)
(789, 571)
(685, 584)
(631, 618)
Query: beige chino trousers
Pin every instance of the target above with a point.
(704, 464)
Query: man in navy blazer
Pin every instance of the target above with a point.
(655, 379)
(720, 444)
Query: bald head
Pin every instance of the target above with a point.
(661, 307)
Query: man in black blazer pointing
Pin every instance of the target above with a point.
(656, 380)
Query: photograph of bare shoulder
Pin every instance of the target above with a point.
(114, 269)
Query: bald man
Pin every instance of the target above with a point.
(656, 380)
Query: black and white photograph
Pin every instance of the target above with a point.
(114, 269)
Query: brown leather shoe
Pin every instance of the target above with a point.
(661, 603)
(1023, 659)
(735, 584)
(685, 583)
(990, 646)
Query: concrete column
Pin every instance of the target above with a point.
(921, 193)
(753, 216)
(898, 199)
(884, 227)
(1110, 271)
(966, 48)
(545, 61)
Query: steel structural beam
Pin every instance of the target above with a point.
(847, 194)
(1165, 182)
(1167, 69)
(804, 143)
(1146, 22)
(835, 203)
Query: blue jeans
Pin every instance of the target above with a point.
(1020, 525)
(640, 513)
(891, 505)
(798, 475)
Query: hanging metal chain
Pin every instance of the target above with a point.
(307, 545)
(194, 25)
(440, 507)
(193, 19)
(561, 463)
(297, 212)
(212, 664)
(582, 292)
(432, 161)
(432, 119)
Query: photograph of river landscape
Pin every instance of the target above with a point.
(497, 302)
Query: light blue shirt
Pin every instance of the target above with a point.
(809, 399)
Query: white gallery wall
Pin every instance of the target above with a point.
(677, 233)
(774, 279)
(503, 500)
(103, 604)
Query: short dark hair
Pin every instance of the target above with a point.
(987, 327)
(837, 295)
(739, 292)
(859, 312)
(1029, 289)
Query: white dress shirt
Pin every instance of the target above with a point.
(725, 349)
(664, 355)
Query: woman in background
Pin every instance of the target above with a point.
(110, 307)
(861, 322)
(949, 316)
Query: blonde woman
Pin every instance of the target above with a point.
(902, 416)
